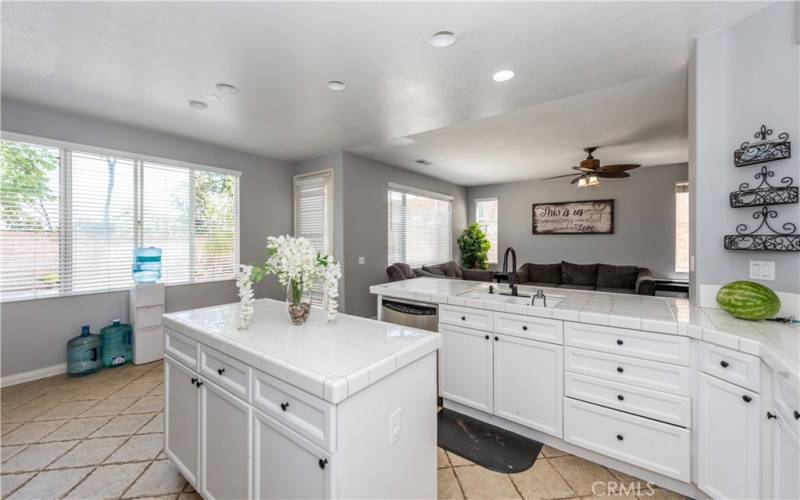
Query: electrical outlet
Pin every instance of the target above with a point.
(361, 260)
(394, 426)
(762, 270)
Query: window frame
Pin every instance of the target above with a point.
(679, 189)
(329, 202)
(496, 223)
(66, 149)
(391, 186)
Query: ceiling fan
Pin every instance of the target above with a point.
(590, 171)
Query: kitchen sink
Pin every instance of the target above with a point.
(552, 300)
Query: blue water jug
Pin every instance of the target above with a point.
(83, 353)
(146, 265)
(117, 348)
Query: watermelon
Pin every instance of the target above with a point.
(748, 300)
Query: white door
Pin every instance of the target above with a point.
(182, 418)
(785, 460)
(467, 366)
(729, 440)
(285, 465)
(225, 444)
(529, 383)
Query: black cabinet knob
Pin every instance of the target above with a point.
(620, 369)
(797, 415)
(747, 398)
(199, 383)
(524, 328)
(220, 370)
(463, 318)
(619, 437)
(496, 338)
(724, 364)
(284, 406)
(621, 397)
(620, 342)
(194, 380)
(323, 462)
(771, 415)
(486, 337)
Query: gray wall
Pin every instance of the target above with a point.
(644, 220)
(740, 78)
(34, 333)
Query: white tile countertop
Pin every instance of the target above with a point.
(331, 361)
(776, 343)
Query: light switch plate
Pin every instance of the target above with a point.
(762, 270)
(395, 426)
(361, 260)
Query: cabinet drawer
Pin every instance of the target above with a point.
(466, 317)
(733, 366)
(657, 405)
(148, 316)
(645, 345)
(225, 371)
(655, 446)
(639, 372)
(181, 348)
(311, 417)
(546, 330)
(787, 402)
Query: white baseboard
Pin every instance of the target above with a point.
(790, 302)
(21, 378)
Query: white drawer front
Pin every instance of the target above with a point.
(655, 446)
(312, 417)
(225, 371)
(787, 402)
(657, 405)
(181, 348)
(466, 317)
(645, 345)
(733, 366)
(148, 295)
(148, 316)
(648, 374)
(545, 330)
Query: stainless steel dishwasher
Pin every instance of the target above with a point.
(410, 313)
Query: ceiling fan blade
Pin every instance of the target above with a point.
(618, 167)
(558, 176)
(575, 180)
(613, 175)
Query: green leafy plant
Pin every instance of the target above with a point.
(474, 247)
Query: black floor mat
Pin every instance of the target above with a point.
(492, 447)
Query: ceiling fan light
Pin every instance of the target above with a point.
(593, 180)
(582, 181)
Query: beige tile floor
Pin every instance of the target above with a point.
(101, 436)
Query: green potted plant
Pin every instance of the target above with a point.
(474, 247)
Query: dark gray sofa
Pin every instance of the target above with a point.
(450, 270)
(598, 277)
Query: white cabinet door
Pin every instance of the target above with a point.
(182, 418)
(529, 383)
(224, 444)
(785, 460)
(467, 366)
(729, 440)
(285, 465)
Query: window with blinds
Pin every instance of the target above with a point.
(486, 216)
(420, 226)
(70, 220)
(313, 217)
(682, 227)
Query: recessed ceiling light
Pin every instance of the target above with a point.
(336, 85)
(442, 39)
(227, 88)
(212, 97)
(503, 76)
(425, 162)
(197, 104)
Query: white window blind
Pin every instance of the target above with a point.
(71, 220)
(682, 227)
(420, 227)
(313, 217)
(486, 216)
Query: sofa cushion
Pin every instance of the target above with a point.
(419, 273)
(577, 287)
(437, 270)
(616, 276)
(478, 274)
(544, 273)
(615, 290)
(452, 270)
(579, 274)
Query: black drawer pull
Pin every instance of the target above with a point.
(724, 364)
(619, 437)
(463, 318)
(194, 380)
(621, 397)
(284, 406)
(496, 338)
(220, 370)
(797, 415)
(620, 342)
(747, 398)
(199, 383)
(323, 462)
(620, 369)
(524, 328)
(771, 415)
(486, 337)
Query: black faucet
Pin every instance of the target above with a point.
(512, 276)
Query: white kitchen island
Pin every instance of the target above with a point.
(314, 411)
(687, 397)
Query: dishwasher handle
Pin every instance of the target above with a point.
(411, 309)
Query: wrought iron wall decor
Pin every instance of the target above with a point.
(765, 193)
(778, 240)
(764, 150)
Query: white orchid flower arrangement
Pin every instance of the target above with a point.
(298, 267)
(244, 284)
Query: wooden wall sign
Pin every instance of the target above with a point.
(574, 217)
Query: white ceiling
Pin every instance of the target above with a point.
(139, 62)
